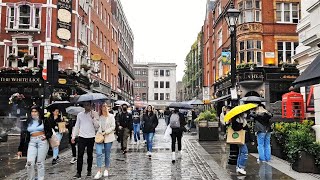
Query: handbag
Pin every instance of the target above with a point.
(54, 141)
(236, 137)
(62, 127)
(167, 133)
(99, 138)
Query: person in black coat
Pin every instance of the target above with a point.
(150, 122)
(125, 127)
(35, 133)
(239, 123)
(178, 127)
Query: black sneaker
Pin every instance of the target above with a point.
(89, 174)
(54, 161)
(77, 176)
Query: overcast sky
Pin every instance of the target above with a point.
(164, 30)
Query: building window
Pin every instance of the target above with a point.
(144, 84)
(156, 72)
(161, 84)
(105, 44)
(26, 17)
(161, 72)
(101, 11)
(156, 84)
(161, 96)
(251, 51)
(208, 59)
(220, 38)
(112, 56)
(286, 50)
(167, 84)
(156, 96)
(167, 96)
(219, 8)
(220, 68)
(92, 31)
(108, 48)
(167, 72)
(100, 40)
(144, 72)
(107, 74)
(250, 11)
(105, 17)
(144, 96)
(287, 12)
(97, 35)
(108, 21)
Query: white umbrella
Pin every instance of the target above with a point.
(121, 102)
(92, 97)
(74, 110)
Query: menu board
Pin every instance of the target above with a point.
(64, 20)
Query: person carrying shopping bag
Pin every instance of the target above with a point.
(263, 129)
(107, 127)
(177, 123)
(35, 133)
(54, 120)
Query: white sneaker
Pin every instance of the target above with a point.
(98, 175)
(179, 155)
(73, 160)
(105, 173)
(149, 154)
(173, 157)
(241, 171)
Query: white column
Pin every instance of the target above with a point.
(316, 127)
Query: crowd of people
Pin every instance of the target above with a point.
(99, 128)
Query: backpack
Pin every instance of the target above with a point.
(175, 121)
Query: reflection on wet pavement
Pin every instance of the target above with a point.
(219, 151)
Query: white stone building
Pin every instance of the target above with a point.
(161, 84)
(308, 57)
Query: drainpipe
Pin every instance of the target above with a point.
(316, 96)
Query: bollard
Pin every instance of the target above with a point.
(233, 154)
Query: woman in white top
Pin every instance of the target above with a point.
(107, 126)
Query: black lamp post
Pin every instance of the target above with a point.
(231, 17)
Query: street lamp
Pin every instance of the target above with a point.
(231, 18)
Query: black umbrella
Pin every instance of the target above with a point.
(180, 105)
(252, 99)
(61, 105)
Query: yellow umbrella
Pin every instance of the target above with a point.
(238, 110)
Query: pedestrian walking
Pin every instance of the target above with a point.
(221, 120)
(34, 134)
(85, 129)
(125, 127)
(107, 126)
(189, 119)
(263, 129)
(167, 114)
(150, 122)
(238, 123)
(136, 125)
(177, 123)
(194, 117)
(70, 125)
(53, 120)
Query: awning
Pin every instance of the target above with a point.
(310, 76)
(221, 98)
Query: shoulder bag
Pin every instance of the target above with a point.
(99, 136)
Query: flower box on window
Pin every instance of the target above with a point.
(12, 57)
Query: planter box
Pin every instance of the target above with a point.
(305, 164)
(208, 133)
(213, 124)
(203, 124)
(276, 148)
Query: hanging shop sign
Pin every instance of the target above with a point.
(64, 21)
(226, 58)
(96, 61)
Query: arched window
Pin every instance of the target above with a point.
(24, 17)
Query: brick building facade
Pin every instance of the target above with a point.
(266, 40)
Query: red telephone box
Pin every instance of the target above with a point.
(292, 105)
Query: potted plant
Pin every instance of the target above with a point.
(28, 57)
(12, 57)
(208, 126)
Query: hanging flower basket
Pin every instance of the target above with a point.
(12, 57)
(16, 98)
(85, 67)
(28, 57)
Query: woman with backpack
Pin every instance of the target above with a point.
(150, 122)
(263, 129)
(177, 123)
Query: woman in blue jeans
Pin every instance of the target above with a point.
(34, 134)
(107, 127)
(238, 123)
(54, 119)
(263, 129)
(150, 122)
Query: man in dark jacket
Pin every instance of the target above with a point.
(125, 124)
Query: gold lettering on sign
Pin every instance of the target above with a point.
(249, 28)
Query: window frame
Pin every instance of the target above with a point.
(254, 50)
(285, 50)
(282, 12)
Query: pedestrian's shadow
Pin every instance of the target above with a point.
(265, 171)
(176, 169)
